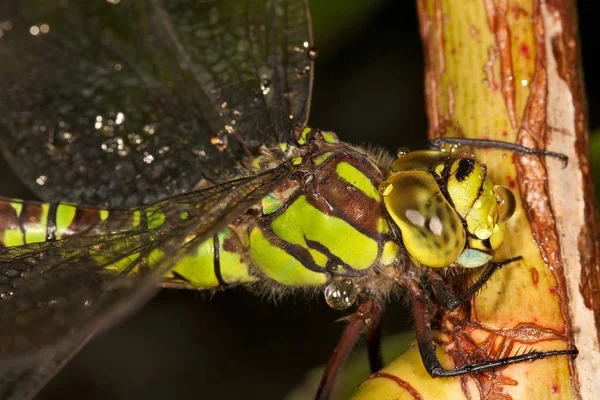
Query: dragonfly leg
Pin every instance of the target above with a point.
(374, 327)
(497, 144)
(368, 315)
(450, 301)
(422, 321)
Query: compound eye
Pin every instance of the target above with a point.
(432, 231)
(506, 202)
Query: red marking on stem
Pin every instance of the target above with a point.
(518, 11)
(403, 384)
(535, 276)
(524, 50)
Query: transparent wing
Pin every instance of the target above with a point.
(25, 378)
(73, 287)
(131, 101)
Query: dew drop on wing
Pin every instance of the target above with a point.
(12, 273)
(5, 291)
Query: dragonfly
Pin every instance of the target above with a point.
(169, 140)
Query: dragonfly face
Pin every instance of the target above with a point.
(448, 210)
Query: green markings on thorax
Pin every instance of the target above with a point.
(302, 222)
(335, 225)
(353, 176)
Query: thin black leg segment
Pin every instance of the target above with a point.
(374, 327)
(426, 344)
(446, 299)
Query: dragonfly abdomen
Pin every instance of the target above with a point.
(216, 262)
(26, 222)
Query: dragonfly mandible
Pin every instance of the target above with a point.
(190, 121)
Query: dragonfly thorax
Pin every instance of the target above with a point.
(448, 210)
(327, 220)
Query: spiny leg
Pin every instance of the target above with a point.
(448, 300)
(368, 315)
(426, 345)
(439, 142)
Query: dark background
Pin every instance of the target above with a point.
(369, 89)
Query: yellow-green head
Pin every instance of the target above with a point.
(448, 210)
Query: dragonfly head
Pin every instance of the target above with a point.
(447, 209)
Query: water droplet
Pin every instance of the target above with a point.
(41, 180)
(385, 188)
(117, 145)
(199, 152)
(149, 129)
(148, 158)
(402, 151)
(313, 53)
(265, 86)
(340, 293)
(506, 202)
(163, 150)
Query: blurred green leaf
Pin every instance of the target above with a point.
(354, 371)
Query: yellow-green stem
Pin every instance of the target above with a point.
(509, 70)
